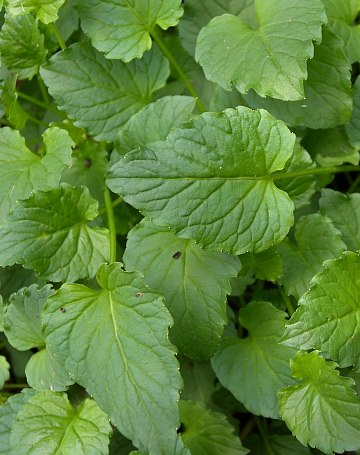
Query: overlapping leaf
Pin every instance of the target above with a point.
(22, 171)
(316, 239)
(270, 58)
(212, 180)
(49, 233)
(45, 10)
(256, 367)
(323, 409)
(353, 127)
(194, 282)
(15, 113)
(122, 29)
(328, 314)
(114, 342)
(102, 94)
(49, 422)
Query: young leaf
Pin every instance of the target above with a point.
(129, 323)
(15, 113)
(4, 371)
(49, 422)
(270, 58)
(194, 282)
(327, 316)
(45, 10)
(316, 239)
(211, 180)
(328, 101)
(208, 432)
(122, 30)
(102, 94)
(8, 412)
(256, 367)
(49, 233)
(322, 410)
(267, 265)
(22, 171)
(22, 45)
(344, 211)
(154, 122)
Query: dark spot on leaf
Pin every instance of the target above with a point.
(87, 162)
(177, 255)
(62, 309)
(138, 294)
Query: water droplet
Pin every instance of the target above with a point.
(220, 167)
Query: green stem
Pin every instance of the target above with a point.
(164, 49)
(316, 170)
(36, 120)
(264, 436)
(15, 386)
(43, 90)
(111, 224)
(354, 185)
(58, 36)
(114, 204)
(248, 428)
(287, 301)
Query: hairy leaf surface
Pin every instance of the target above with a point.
(212, 180)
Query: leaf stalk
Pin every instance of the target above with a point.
(111, 224)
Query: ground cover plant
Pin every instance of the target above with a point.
(179, 227)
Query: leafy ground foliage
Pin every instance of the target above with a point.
(179, 227)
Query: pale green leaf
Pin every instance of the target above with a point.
(270, 58)
(194, 282)
(154, 122)
(49, 424)
(136, 361)
(15, 113)
(23, 317)
(323, 409)
(4, 371)
(101, 95)
(44, 372)
(122, 29)
(208, 433)
(212, 180)
(328, 100)
(328, 314)
(8, 412)
(199, 12)
(330, 147)
(267, 265)
(344, 211)
(45, 10)
(316, 239)
(342, 21)
(23, 171)
(22, 45)
(256, 367)
(353, 127)
(49, 233)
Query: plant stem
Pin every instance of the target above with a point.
(15, 386)
(287, 301)
(114, 204)
(36, 120)
(248, 428)
(354, 185)
(165, 50)
(58, 36)
(316, 170)
(43, 90)
(263, 433)
(111, 224)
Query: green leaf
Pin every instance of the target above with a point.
(327, 102)
(199, 382)
(154, 122)
(16, 115)
(130, 324)
(2, 312)
(195, 182)
(122, 29)
(327, 316)
(342, 21)
(353, 127)
(270, 58)
(256, 367)
(49, 233)
(23, 171)
(194, 282)
(50, 423)
(316, 239)
(8, 412)
(199, 12)
(4, 371)
(102, 94)
(267, 265)
(279, 444)
(323, 409)
(22, 45)
(45, 10)
(13, 278)
(207, 432)
(344, 211)
(330, 147)
(23, 317)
